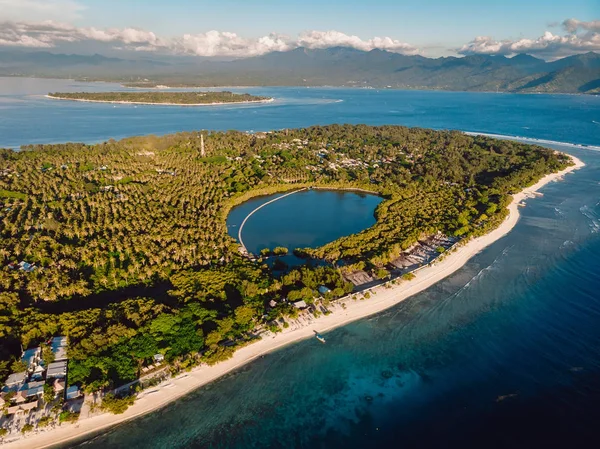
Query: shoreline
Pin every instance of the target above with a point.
(157, 397)
(268, 100)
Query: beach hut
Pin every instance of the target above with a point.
(300, 305)
(29, 406)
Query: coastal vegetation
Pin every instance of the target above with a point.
(180, 98)
(122, 246)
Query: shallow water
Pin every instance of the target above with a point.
(503, 353)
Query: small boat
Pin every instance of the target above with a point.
(320, 337)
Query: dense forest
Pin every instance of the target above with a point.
(123, 247)
(183, 98)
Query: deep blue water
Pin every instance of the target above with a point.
(27, 117)
(306, 219)
(505, 353)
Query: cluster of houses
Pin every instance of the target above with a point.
(24, 391)
(423, 252)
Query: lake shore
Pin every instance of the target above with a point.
(345, 311)
(268, 100)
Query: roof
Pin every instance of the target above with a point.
(59, 385)
(59, 348)
(25, 266)
(29, 406)
(300, 305)
(57, 369)
(16, 378)
(159, 357)
(14, 409)
(35, 391)
(30, 385)
(73, 392)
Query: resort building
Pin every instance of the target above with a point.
(29, 391)
(57, 370)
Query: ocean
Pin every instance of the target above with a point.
(505, 353)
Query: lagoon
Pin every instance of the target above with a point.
(306, 219)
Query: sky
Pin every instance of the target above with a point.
(240, 28)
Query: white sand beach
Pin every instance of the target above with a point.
(385, 297)
(268, 100)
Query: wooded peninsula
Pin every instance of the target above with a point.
(170, 98)
(122, 246)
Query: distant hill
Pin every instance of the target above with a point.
(336, 66)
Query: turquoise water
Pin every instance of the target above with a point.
(306, 219)
(505, 353)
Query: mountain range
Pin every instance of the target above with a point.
(337, 66)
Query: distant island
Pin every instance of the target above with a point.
(163, 98)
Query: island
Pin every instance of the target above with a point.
(161, 98)
(118, 271)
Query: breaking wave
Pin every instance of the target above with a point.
(534, 140)
(593, 216)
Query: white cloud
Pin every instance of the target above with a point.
(217, 43)
(574, 25)
(49, 34)
(32, 10)
(328, 39)
(126, 36)
(548, 45)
